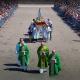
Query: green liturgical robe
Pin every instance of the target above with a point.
(43, 58)
(24, 55)
(54, 63)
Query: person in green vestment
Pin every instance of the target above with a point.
(43, 54)
(23, 54)
(54, 63)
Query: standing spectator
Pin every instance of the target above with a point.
(49, 32)
(49, 29)
(50, 23)
(35, 32)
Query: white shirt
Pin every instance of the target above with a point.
(50, 22)
(48, 29)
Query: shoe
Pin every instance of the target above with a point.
(41, 71)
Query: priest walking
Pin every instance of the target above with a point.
(23, 54)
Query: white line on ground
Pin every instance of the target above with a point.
(35, 5)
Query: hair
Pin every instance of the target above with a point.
(21, 39)
(48, 19)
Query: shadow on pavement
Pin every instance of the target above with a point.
(76, 40)
(16, 67)
(21, 70)
(27, 40)
(32, 71)
(12, 65)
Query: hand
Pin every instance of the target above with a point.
(55, 60)
(24, 52)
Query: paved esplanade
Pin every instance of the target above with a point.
(64, 40)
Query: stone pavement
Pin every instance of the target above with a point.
(64, 40)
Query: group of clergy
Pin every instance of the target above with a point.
(40, 30)
(46, 60)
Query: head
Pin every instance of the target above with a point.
(48, 19)
(42, 44)
(21, 41)
(53, 51)
(33, 20)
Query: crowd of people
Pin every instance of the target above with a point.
(6, 10)
(71, 14)
(40, 28)
(43, 30)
